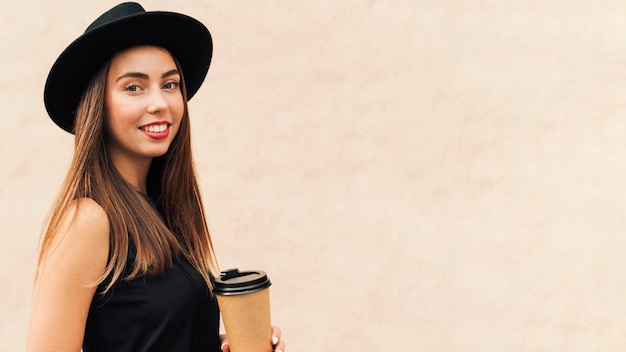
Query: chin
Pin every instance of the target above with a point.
(155, 153)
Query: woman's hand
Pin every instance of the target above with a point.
(225, 347)
(277, 342)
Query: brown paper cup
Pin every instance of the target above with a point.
(244, 301)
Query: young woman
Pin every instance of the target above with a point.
(126, 261)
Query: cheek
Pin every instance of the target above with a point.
(118, 119)
(178, 122)
(178, 108)
(113, 112)
(121, 113)
(112, 120)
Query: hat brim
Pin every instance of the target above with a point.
(187, 39)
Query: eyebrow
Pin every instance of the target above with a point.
(145, 76)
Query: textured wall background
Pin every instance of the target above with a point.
(413, 175)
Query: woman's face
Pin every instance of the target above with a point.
(143, 103)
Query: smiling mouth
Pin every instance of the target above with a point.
(154, 128)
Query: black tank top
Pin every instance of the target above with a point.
(174, 311)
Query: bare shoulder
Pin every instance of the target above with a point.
(83, 233)
(87, 218)
(86, 212)
(75, 260)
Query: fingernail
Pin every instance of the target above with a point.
(279, 350)
(275, 341)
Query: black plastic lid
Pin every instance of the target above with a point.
(235, 282)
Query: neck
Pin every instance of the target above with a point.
(133, 170)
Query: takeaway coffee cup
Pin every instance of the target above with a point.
(244, 301)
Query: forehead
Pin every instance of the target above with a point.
(141, 59)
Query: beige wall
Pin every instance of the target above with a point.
(413, 175)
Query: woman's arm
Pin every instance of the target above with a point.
(76, 259)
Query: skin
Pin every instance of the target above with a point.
(77, 258)
(142, 89)
(279, 345)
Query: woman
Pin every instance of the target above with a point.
(126, 262)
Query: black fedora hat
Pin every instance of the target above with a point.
(124, 26)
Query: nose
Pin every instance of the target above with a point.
(157, 102)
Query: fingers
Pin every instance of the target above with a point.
(279, 345)
(275, 334)
(225, 347)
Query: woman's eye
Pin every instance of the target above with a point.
(171, 85)
(133, 88)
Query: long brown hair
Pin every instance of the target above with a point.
(133, 219)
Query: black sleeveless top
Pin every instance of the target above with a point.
(174, 311)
